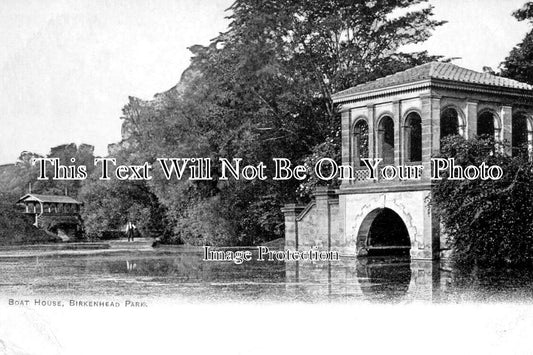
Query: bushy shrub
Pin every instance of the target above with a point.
(17, 227)
(487, 222)
(203, 224)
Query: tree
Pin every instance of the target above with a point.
(110, 204)
(15, 178)
(68, 154)
(487, 222)
(18, 177)
(263, 90)
(518, 64)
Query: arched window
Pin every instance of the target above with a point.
(449, 122)
(360, 139)
(386, 140)
(522, 139)
(413, 137)
(487, 125)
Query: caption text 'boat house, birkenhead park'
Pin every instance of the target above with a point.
(401, 119)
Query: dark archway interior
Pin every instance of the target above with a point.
(387, 140)
(449, 123)
(519, 135)
(388, 234)
(414, 123)
(485, 124)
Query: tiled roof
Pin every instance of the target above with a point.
(49, 199)
(435, 70)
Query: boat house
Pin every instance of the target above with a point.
(53, 213)
(401, 119)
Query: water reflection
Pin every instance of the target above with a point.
(130, 266)
(384, 280)
(372, 279)
(181, 273)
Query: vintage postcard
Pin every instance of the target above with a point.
(266, 176)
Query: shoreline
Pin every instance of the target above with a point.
(74, 248)
(106, 247)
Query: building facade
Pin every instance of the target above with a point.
(57, 214)
(401, 119)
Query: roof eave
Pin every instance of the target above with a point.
(25, 197)
(73, 201)
(339, 98)
(431, 83)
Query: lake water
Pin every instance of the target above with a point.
(180, 274)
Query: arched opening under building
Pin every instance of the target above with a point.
(522, 137)
(360, 142)
(383, 232)
(485, 124)
(65, 230)
(386, 140)
(449, 122)
(413, 137)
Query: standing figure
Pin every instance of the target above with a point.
(130, 227)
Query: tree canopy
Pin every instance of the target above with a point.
(261, 90)
(258, 91)
(518, 64)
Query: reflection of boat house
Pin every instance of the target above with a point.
(401, 118)
(58, 214)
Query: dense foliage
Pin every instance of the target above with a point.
(16, 179)
(17, 228)
(486, 221)
(263, 90)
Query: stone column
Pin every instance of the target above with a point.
(506, 116)
(323, 195)
(371, 132)
(380, 136)
(346, 140)
(427, 245)
(346, 135)
(397, 119)
(471, 119)
(291, 211)
(427, 131)
(435, 124)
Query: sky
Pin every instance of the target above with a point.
(67, 67)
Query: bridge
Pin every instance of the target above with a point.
(401, 119)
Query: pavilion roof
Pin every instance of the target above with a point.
(48, 199)
(434, 70)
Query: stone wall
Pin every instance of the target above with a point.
(316, 224)
(341, 222)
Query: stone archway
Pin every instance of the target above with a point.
(383, 232)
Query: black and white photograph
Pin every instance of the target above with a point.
(266, 177)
